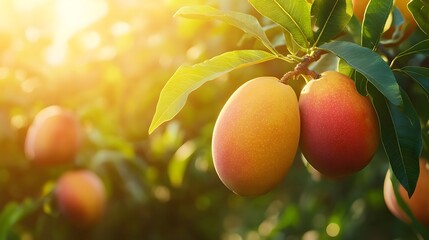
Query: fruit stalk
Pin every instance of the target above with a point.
(302, 68)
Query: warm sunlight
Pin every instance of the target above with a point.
(58, 20)
(70, 17)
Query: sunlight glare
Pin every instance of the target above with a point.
(71, 17)
(32, 34)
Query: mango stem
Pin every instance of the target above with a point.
(302, 67)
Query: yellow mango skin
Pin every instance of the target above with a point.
(81, 197)
(256, 136)
(339, 127)
(54, 137)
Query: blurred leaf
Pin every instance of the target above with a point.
(326, 62)
(354, 27)
(13, 213)
(291, 45)
(401, 137)
(344, 68)
(331, 17)
(188, 78)
(398, 23)
(418, 74)
(419, 48)
(369, 64)
(105, 140)
(179, 162)
(248, 23)
(104, 156)
(131, 181)
(294, 16)
(47, 193)
(376, 15)
(420, 11)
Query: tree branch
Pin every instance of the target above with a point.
(302, 68)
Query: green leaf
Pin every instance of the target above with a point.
(397, 27)
(291, 45)
(294, 16)
(418, 74)
(376, 15)
(344, 68)
(369, 64)
(179, 163)
(354, 27)
(13, 213)
(188, 78)
(248, 23)
(420, 11)
(401, 137)
(419, 48)
(331, 17)
(361, 83)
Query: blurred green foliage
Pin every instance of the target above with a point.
(161, 186)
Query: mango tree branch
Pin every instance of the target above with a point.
(302, 68)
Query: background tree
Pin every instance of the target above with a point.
(108, 62)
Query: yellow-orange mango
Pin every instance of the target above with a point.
(256, 136)
(81, 197)
(419, 201)
(54, 137)
(339, 128)
(359, 7)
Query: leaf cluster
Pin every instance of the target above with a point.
(382, 72)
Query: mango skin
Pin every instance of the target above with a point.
(418, 203)
(256, 136)
(54, 137)
(339, 127)
(81, 197)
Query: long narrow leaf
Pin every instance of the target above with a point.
(247, 23)
(420, 11)
(188, 78)
(331, 17)
(418, 74)
(401, 137)
(294, 16)
(419, 48)
(12, 213)
(376, 16)
(369, 64)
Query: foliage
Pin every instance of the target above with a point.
(111, 70)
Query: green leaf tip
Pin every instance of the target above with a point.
(189, 78)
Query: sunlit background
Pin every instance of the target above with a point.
(107, 60)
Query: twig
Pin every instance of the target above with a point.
(302, 68)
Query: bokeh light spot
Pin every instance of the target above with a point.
(333, 229)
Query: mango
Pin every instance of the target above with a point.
(81, 197)
(256, 136)
(339, 127)
(54, 137)
(419, 201)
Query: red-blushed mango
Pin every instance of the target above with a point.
(339, 128)
(81, 197)
(54, 137)
(256, 136)
(419, 201)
